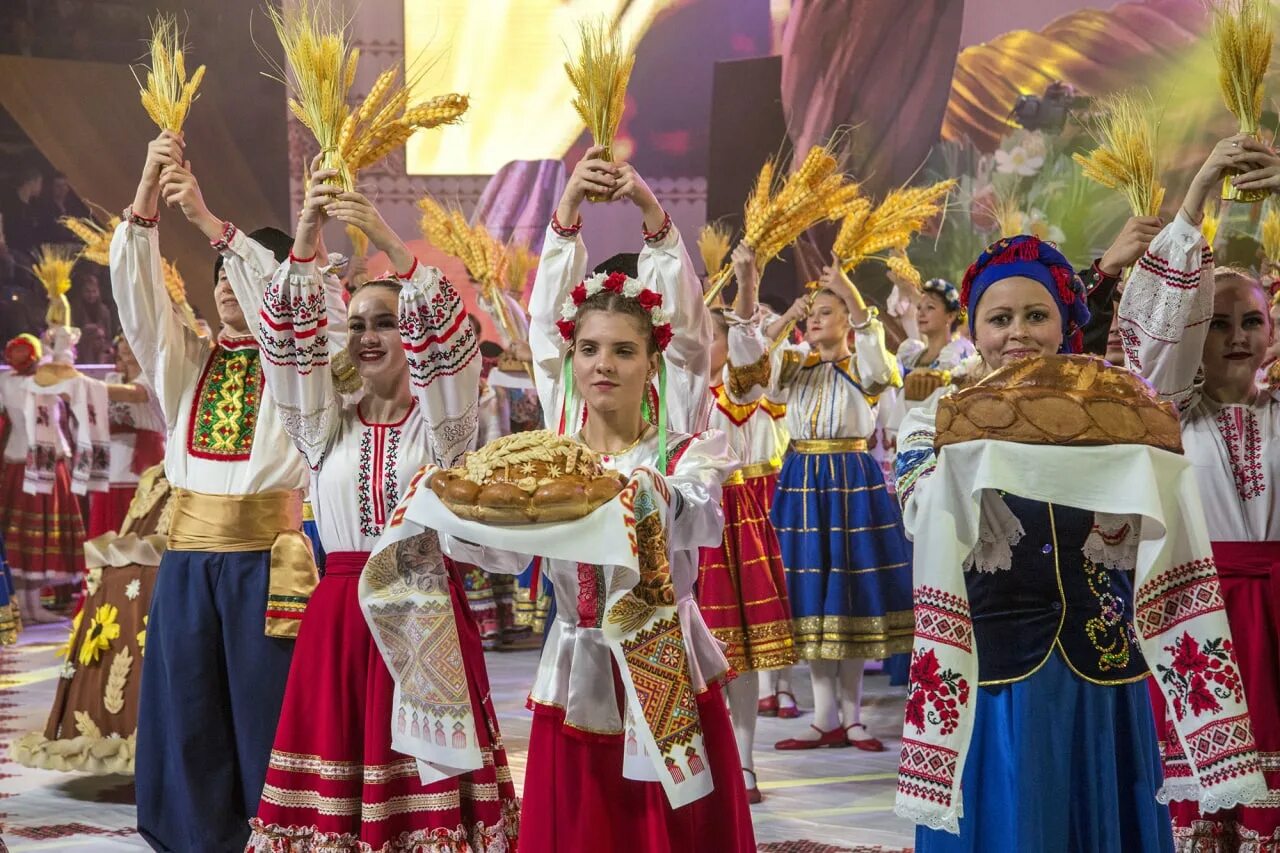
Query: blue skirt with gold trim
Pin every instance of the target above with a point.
(848, 561)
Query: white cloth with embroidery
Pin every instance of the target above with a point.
(145, 416)
(591, 567)
(174, 359)
(1177, 602)
(84, 400)
(1235, 449)
(664, 267)
(823, 399)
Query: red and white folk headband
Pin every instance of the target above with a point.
(623, 285)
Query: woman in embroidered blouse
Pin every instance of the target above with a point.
(742, 586)
(1063, 754)
(1180, 317)
(847, 562)
(334, 779)
(579, 766)
(137, 439)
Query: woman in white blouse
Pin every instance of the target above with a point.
(1199, 335)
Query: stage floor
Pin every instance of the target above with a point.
(837, 797)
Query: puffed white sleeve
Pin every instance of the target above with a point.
(697, 472)
(877, 367)
(290, 319)
(562, 266)
(444, 361)
(171, 353)
(665, 266)
(1166, 309)
(755, 368)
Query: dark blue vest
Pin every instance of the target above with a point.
(1054, 600)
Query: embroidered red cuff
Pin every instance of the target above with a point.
(663, 230)
(405, 276)
(140, 220)
(224, 240)
(565, 232)
(294, 259)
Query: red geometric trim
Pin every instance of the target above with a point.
(943, 618)
(1243, 438)
(1179, 594)
(1223, 750)
(927, 771)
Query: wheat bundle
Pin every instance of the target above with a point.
(384, 121)
(713, 246)
(321, 68)
(599, 76)
(900, 265)
(1242, 40)
(521, 262)
(1125, 159)
(1209, 224)
(866, 232)
(96, 238)
(168, 94)
(1271, 236)
(53, 268)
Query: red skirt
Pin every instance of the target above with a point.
(108, 509)
(1250, 577)
(43, 534)
(742, 587)
(334, 783)
(577, 801)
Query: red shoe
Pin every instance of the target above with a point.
(785, 712)
(767, 707)
(835, 739)
(868, 744)
(754, 797)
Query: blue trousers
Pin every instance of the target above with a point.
(212, 685)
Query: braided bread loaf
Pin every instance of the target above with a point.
(525, 478)
(1060, 399)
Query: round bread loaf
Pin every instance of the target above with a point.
(526, 478)
(1060, 399)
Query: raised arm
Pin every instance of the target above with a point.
(562, 266)
(877, 367)
(170, 353)
(1168, 300)
(438, 339)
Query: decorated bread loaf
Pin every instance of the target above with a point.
(1060, 399)
(526, 478)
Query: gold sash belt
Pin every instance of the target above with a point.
(751, 472)
(267, 521)
(829, 445)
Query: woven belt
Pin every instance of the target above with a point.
(829, 445)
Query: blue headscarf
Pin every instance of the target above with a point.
(1030, 257)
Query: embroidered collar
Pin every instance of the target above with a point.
(233, 342)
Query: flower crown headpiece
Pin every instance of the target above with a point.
(623, 285)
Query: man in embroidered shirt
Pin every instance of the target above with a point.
(217, 656)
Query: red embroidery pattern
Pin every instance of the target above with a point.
(943, 618)
(1224, 750)
(590, 582)
(1240, 432)
(926, 771)
(1177, 595)
(1200, 676)
(379, 458)
(943, 689)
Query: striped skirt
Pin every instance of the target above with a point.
(847, 559)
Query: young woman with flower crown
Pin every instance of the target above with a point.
(1199, 335)
(847, 563)
(599, 346)
(1067, 616)
(335, 782)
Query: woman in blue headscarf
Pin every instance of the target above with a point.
(1063, 754)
